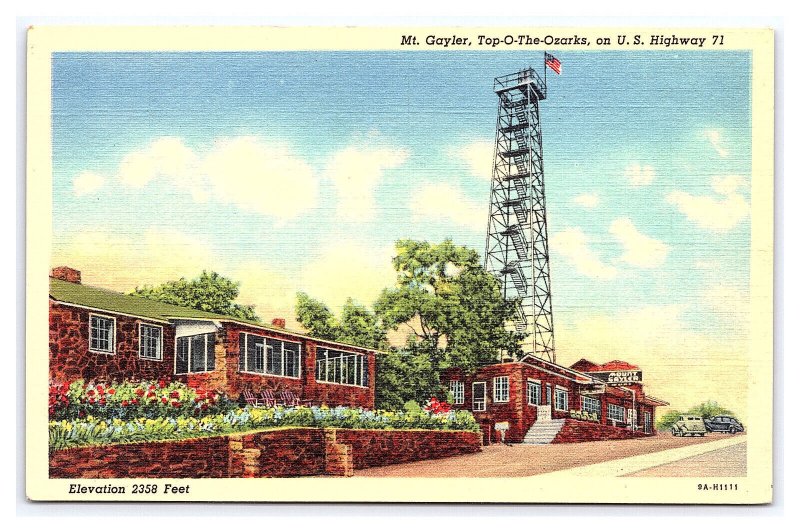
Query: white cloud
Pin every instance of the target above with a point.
(348, 269)
(640, 249)
(479, 155)
(443, 202)
(260, 177)
(573, 244)
(589, 201)
(718, 213)
(639, 175)
(247, 172)
(715, 138)
(356, 172)
(86, 183)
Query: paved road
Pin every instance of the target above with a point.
(527, 460)
(727, 462)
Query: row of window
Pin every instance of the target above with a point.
(341, 367)
(534, 397)
(102, 337)
(259, 354)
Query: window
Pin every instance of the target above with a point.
(150, 342)
(549, 396)
(101, 333)
(590, 405)
(616, 413)
(562, 399)
(341, 367)
(534, 393)
(457, 389)
(259, 354)
(194, 354)
(500, 389)
(478, 396)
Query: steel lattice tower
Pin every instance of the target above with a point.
(516, 240)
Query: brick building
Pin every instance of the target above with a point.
(536, 401)
(97, 334)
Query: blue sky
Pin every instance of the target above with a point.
(286, 170)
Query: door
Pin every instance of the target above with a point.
(632, 418)
(647, 423)
(478, 396)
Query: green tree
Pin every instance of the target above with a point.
(209, 292)
(705, 410)
(453, 307)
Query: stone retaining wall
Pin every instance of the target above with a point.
(270, 453)
(577, 431)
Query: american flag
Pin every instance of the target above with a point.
(553, 63)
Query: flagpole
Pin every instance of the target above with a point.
(544, 65)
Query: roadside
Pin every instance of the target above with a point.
(726, 462)
(526, 460)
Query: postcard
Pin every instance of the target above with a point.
(400, 264)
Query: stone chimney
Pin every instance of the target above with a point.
(279, 322)
(65, 273)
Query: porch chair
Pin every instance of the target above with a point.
(289, 398)
(268, 398)
(251, 399)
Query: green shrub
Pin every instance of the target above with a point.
(97, 431)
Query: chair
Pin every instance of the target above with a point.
(268, 398)
(289, 398)
(251, 399)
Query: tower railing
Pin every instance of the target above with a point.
(523, 77)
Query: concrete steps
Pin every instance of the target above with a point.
(543, 431)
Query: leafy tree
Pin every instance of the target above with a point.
(209, 292)
(453, 307)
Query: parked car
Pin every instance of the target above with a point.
(688, 425)
(723, 424)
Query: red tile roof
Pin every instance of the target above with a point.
(614, 365)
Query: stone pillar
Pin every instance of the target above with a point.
(338, 456)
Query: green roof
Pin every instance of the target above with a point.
(101, 299)
(110, 301)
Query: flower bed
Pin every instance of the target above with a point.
(132, 400)
(95, 431)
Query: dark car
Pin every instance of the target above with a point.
(723, 424)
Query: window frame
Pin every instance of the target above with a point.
(559, 391)
(160, 354)
(502, 388)
(459, 387)
(112, 340)
(359, 366)
(269, 352)
(189, 354)
(483, 399)
(614, 407)
(533, 384)
(589, 398)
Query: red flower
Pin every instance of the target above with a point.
(125, 403)
(162, 383)
(176, 404)
(81, 413)
(174, 394)
(90, 392)
(102, 400)
(151, 394)
(204, 406)
(100, 389)
(151, 387)
(139, 392)
(91, 400)
(164, 400)
(134, 401)
(111, 391)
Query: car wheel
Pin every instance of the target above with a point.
(732, 430)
